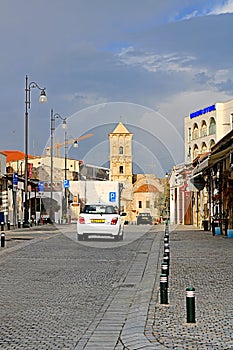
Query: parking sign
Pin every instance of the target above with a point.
(66, 183)
(112, 196)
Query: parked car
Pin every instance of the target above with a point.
(144, 219)
(100, 220)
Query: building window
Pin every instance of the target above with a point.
(147, 204)
(203, 129)
(121, 169)
(203, 148)
(139, 204)
(212, 126)
(212, 143)
(189, 135)
(189, 151)
(195, 151)
(195, 131)
(121, 150)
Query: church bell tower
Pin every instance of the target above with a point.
(121, 166)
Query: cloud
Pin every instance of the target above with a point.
(153, 62)
(137, 52)
(225, 7)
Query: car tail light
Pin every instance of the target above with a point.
(114, 221)
(81, 220)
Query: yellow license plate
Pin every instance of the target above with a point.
(100, 221)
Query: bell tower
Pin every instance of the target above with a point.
(121, 165)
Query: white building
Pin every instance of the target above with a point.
(206, 126)
(202, 129)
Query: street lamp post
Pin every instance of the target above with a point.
(52, 128)
(43, 98)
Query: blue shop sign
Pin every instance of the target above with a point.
(203, 111)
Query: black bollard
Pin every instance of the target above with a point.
(2, 226)
(2, 239)
(163, 289)
(167, 251)
(166, 261)
(19, 224)
(166, 239)
(164, 268)
(8, 225)
(190, 304)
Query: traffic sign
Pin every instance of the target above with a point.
(112, 196)
(41, 186)
(15, 179)
(66, 183)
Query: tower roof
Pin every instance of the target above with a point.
(120, 129)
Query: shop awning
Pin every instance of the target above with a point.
(215, 158)
(201, 166)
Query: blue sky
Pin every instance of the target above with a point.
(147, 63)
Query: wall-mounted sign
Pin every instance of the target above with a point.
(202, 111)
(112, 196)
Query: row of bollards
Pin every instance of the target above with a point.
(190, 291)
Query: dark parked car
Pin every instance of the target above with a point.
(144, 219)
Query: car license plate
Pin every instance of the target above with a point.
(100, 221)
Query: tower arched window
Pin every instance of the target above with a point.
(121, 150)
(121, 169)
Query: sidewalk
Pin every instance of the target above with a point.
(203, 261)
(23, 236)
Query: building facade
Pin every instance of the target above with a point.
(204, 127)
(198, 178)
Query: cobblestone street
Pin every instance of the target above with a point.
(58, 294)
(51, 291)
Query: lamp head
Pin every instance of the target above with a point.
(43, 97)
(64, 124)
(75, 144)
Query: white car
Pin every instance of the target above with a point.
(100, 220)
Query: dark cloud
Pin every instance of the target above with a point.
(87, 52)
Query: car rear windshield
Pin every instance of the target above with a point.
(100, 209)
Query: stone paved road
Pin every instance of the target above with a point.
(52, 289)
(56, 294)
